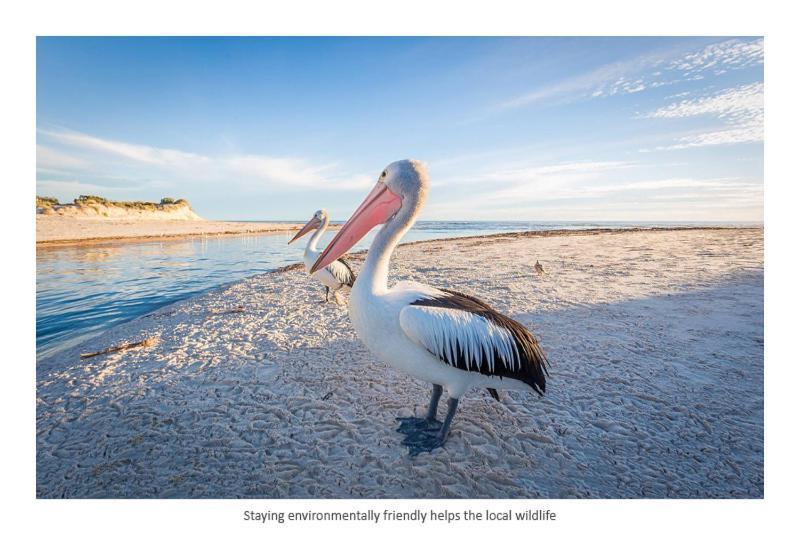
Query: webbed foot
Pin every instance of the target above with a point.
(423, 441)
(411, 424)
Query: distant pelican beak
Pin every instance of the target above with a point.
(313, 223)
(380, 205)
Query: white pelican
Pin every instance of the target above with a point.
(335, 275)
(452, 340)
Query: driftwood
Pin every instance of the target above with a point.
(150, 341)
(237, 310)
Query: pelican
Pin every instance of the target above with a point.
(338, 273)
(450, 339)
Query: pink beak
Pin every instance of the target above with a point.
(380, 205)
(313, 223)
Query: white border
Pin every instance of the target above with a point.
(620, 521)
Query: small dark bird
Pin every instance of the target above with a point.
(538, 268)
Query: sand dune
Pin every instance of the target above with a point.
(258, 389)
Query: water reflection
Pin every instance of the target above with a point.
(81, 290)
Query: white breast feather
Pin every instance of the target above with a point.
(442, 330)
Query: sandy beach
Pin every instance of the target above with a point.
(60, 230)
(259, 389)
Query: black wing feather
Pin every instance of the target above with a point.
(533, 361)
(352, 279)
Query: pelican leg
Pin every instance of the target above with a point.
(327, 292)
(413, 424)
(434, 404)
(452, 407)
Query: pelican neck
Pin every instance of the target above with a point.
(312, 243)
(375, 273)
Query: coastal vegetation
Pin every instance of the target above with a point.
(97, 206)
(46, 201)
(88, 200)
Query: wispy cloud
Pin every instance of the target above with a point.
(589, 84)
(656, 199)
(52, 160)
(526, 175)
(84, 158)
(292, 172)
(740, 109)
(647, 72)
(721, 57)
(593, 190)
(134, 152)
(500, 185)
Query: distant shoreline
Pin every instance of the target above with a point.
(53, 231)
(586, 231)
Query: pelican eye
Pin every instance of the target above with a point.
(383, 174)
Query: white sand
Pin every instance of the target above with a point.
(56, 229)
(656, 389)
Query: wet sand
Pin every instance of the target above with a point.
(59, 230)
(259, 389)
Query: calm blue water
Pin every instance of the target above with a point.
(83, 290)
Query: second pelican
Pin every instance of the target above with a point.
(334, 276)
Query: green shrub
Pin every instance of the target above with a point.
(88, 199)
(139, 205)
(94, 199)
(43, 202)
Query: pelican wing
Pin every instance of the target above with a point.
(468, 334)
(342, 272)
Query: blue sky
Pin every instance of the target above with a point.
(650, 129)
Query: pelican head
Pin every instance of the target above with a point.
(396, 198)
(408, 179)
(319, 217)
